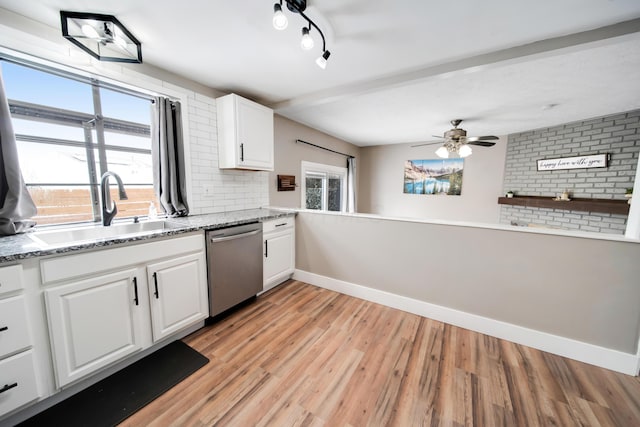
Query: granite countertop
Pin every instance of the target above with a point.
(22, 246)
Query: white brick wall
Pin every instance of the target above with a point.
(618, 135)
(216, 190)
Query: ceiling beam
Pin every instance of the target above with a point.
(552, 46)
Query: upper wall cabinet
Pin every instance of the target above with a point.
(245, 134)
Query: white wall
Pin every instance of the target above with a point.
(381, 184)
(209, 188)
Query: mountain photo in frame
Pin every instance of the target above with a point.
(433, 176)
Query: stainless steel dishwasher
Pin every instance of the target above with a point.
(234, 265)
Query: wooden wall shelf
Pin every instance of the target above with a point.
(620, 207)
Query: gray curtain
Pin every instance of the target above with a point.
(168, 157)
(351, 185)
(16, 205)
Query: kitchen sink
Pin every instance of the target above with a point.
(95, 232)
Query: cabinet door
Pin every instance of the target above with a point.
(18, 383)
(178, 294)
(94, 323)
(14, 326)
(279, 257)
(255, 135)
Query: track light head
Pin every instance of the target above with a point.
(307, 42)
(280, 20)
(322, 60)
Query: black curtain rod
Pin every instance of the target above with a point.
(326, 149)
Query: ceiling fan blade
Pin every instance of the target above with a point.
(438, 136)
(481, 143)
(427, 143)
(482, 138)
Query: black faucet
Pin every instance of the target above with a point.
(109, 208)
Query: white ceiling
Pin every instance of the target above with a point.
(399, 70)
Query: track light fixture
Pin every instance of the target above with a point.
(280, 22)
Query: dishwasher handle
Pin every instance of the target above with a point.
(234, 237)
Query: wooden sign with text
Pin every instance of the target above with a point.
(579, 162)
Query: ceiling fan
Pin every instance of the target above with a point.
(456, 141)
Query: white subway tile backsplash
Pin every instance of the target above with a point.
(215, 190)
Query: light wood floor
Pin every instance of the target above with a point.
(305, 356)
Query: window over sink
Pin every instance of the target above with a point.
(70, 129)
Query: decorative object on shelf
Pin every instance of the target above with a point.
(578, 162)
(435, 176)
(457, 143)
(629, 194)
(510, 194)
(563, 197)
(101, 36)
(286, 183)
(280, 22)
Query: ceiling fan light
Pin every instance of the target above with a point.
(322, 60)
(465, 151)
(442, 152)
(307, 42)
(280, 20)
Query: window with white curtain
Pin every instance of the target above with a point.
(324, 187)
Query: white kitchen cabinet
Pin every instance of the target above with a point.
(14, 326)
(18, 385)
(102, 306)
(177, 296)
(245, 134)
(94, 322)
(278, 251)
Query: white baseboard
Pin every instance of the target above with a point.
(625, 363)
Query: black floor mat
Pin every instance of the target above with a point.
(118, 396)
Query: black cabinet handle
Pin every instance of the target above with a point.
(4, 328)
(242, 152)
(281, 225)
(8, 387)
(155, 283)
(135, 290)
(266, 249)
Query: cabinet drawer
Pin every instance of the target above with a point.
(17, 381)
(10, 279)
(278, 224)
(14, 329)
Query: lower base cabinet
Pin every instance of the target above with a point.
(97, 321)
(178, 298)
(93, 323)
(278, 251)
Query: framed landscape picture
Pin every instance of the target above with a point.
(441, 176)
